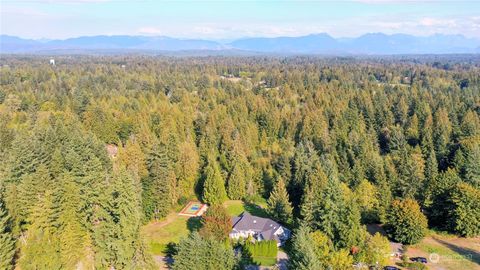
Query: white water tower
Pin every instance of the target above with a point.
(52, 62)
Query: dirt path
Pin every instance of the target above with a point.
(169, 219)
(163, 262)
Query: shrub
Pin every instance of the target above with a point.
(262, 248)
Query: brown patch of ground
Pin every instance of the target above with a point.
(446, 252)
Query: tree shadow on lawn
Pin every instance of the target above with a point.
(469, 254)
(255, 210)
(170, 249)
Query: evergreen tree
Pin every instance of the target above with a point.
(305, 256)
(194, 252)
(158, 187)
(472, 165)
(127, 216)
(7, 241)
(366, 197)
(73, 236)
(42, 247)
(188, 164)
(349, 232)
(236, 186)
(465, 210)
(438, 195)
(278, 205)
(213, 188)
(441, 136)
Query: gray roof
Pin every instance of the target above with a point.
(265, 227)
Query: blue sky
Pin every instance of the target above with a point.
(228, 19)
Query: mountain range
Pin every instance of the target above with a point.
(370, 44)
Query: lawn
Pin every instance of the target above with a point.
(453, 252)
(174, 227)
(235, 208)
(169, 230)
(265, 261)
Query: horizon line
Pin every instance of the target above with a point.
(236, 38)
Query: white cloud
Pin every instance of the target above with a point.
(433, 22)
(148, 30)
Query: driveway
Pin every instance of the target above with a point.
(282, 260)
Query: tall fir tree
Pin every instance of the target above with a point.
(279, 206)
(214, 186)
(74, 237)
(41, 249)
(158, 187)
(304, 257)
(7, 241)
(236, 185)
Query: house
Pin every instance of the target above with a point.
(259, 228)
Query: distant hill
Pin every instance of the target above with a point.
(372, 43)
(319, 43)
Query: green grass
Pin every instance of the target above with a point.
(157, 248)
(235, 208)
(264, 261)
(159, 236)
(454, 252)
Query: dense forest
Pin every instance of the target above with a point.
(333, 144)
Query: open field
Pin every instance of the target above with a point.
(453, 252)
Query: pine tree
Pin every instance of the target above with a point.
(366, 197)
(464, 213)
(73, 236)
(127, 216)
(213, 188)
(349, 231)
(194, 252)
(188, 163)
(158, 188)
(441, 136)
(305, 255)
(7, 242)
(327, 209)
(431, 173)
(472, 165)
(42, 248)
(236, 185)
(31, 187)
(439, 193)
(279, 206)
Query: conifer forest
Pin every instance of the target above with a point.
(94, 148)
